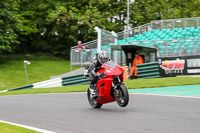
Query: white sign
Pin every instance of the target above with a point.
(193, 62)
(193, 70)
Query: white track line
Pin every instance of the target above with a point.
(165, 95)
(28, 127)
(3, 91)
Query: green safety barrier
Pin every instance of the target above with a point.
(74, 76)
(20, 88)
(148, 70)
(79, 79)
(75, 80)
(147, 67)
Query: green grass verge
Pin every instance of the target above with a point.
(7, 128)
(162, 82)
(131, 84)
(66, 89)
(12, 73)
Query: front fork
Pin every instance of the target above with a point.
(115, 86)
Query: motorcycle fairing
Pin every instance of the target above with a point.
(104, 85)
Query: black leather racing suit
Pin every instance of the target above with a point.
(92, 70)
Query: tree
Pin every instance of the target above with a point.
(144, 11)
(9, 24)
(55, 26)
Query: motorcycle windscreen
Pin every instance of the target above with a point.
(110, 64)
(111, 69)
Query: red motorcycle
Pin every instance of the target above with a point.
(110, 86)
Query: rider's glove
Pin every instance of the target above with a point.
(102, 75)
(98, 74)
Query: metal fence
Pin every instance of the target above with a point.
(91, 44)
(158, 24)
(176, 23)
(164, 47)
(82, 57)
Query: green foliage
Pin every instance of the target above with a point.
(8, 25)
(144, 11)
(55, 26)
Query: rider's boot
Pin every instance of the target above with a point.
(93, 90)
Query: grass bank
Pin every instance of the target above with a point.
(12, 72)
(162, 82)
(7, 128)
(131, 84)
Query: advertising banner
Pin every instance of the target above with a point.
(172, 66)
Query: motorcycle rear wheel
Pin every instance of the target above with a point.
(93, 101)
(122, 97)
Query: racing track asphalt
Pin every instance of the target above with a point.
(71, 113)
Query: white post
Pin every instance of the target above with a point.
(115, 35)
(81, 57)
(99, 38)
(26, 74)
(71, 60)
(115, 52)
(26, 63)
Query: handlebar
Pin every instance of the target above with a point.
(100, 68)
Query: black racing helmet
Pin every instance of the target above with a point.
(103, 56)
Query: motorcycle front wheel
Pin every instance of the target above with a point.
(121, 96)
(93, 101)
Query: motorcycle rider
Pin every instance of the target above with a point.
(100, 58)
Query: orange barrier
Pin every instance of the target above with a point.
(125, 75)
